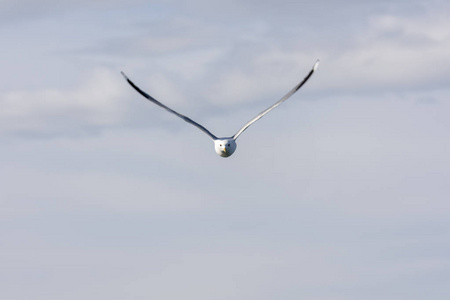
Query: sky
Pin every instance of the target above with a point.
(340, 193)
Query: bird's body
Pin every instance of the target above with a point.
(225, 147)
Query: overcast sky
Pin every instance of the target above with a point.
(340, 193)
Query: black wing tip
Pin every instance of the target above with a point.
(124, 76)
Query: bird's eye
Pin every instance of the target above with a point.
(228, 145)
(220, 145)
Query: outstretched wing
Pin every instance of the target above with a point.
(291, 92)
(190, 121)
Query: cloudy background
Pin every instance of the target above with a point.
(340, 193)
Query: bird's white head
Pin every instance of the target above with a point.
(225, 147)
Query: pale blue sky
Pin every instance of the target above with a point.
(340, 193)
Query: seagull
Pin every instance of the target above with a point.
(225, 146)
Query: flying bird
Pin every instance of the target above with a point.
(225, 146)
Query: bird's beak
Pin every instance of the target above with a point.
(224, 150)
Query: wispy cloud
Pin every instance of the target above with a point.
(97, 103)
